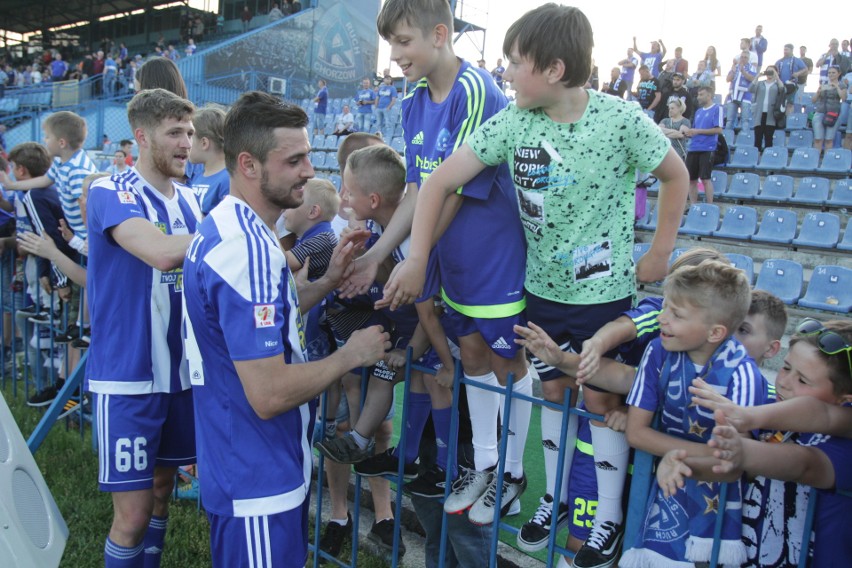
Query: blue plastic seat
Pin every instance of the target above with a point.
(744, 157)
(702, 219)
(819, 230)
(797, 122)
(639, 250)
(781, 277)
(846, 242)
(331, 143)
(738, 223)
(830, 288)
(842, 195)
(318, 160)
(398, 144)
(318, 141)
(776, 188)
(812, 190)
(745, 138)
(836, 161)
(649, 223)
(743, 186)
(777, 226)
(804, 160)
(773, 159)
(336, 181)
(744, 263)
(779, 139)
(677, 253)
(720, 182)
(729, 135)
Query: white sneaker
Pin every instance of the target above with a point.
(466, 490)
(482, 512)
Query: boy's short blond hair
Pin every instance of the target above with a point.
(772, 309)
(209, 122)
(697, 255)
(421, 14)
(380, 169)
(718, 288)
(148, 109)
(32, 156)
(352, 142)
(322, 192)
(66, 125)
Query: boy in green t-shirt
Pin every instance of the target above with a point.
(573, 154)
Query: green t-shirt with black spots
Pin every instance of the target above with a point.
(576, 187)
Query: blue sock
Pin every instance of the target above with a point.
(441, 420)
(419, 405)
(116, 556)
(155, 538)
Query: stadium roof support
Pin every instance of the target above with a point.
(29, 16)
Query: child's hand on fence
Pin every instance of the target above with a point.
(672, 472)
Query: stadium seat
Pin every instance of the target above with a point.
(813, 190)
(744, 263)
(836, 161)
(773, 159)
(702, 219)
(729, 135)
(842, 195)
(779, 139)
(846, 242)
(738, 223)
(745, 138)
(318, 160)
(777, 226)
(331, 143)
(639, 249)
(744, 157)
(650, 223)
(830, 288)
(720, 182)
(798, 122)
(317, 141)
(819, 230)
(804, 160)
(776, 188)
(398, 144)
(676, 253)
(781, 277)
(335, 180)
(743, 186)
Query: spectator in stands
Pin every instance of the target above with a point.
(4, 78)
(321, 109)
(593, 83)
(740, 76)
(27, 76)
(497, 73)
(706, 126)
(119, 163)
(127, 147)
(190, 47)
(712, 61)
(365, 98)
(37, 75)
(98, 64)
(809, 63)
(745, 45)
(110, 75)
(245, 18)
(615, 86)
(703, 77)
(847, 106)
(293, 7)
(665, 76)
(757, 45)
(653, 59)
(648, 91)
(791, 69)
(198, 28)
(172, 53)
(480, 63)
(345, 122)
(628, 69)
(768, 95)
(275, 13)
(827, 101)
(831, 58)
(675, 125)
(844, 48)
(681, 65)
(384, 103)
(677, 91)
(123, 54)
(58, 68)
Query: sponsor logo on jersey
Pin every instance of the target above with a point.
(178, 224)
(126, 197)
(418, 139)
(264, 315)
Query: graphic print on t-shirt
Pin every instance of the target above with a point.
(592, 261)
(531, 176)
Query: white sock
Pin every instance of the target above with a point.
(563, 562)
(551, 427)
(359, 439)
(483, 405)
(341, 522)
(611, 455)
(519, 426)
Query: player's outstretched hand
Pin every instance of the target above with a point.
(67, 233)
(616, 419)
(590, 359)
(672, 472)
(653, 266)
(370, 344)
(363, 275)
(340, 266)
(404, 285)
(737, 416)
(37, 245)
(539, 344)
(728, 446)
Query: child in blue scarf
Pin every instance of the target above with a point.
(703, 307)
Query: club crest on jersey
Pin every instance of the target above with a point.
(264, 315)
(126, 197)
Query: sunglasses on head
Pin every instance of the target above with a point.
(829, 342)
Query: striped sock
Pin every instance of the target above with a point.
(116, 556)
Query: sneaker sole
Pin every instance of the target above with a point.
(539, 545)
(324, 451)
(392, 474)
(38, 404)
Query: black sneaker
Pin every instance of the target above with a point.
(82, 343)
(344, 449)
(382, 535)
(601, 547)
(335, 536)
(430, 484)
(535, 532)
(45, 317)
(43, 397)
(385, 463)
(31, 312)
(62, 338)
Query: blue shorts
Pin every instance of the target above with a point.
(498, 333)
(582, 485)
(279, 540)
(138, 432)
(570, 325)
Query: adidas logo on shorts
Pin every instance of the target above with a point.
(500, 344)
